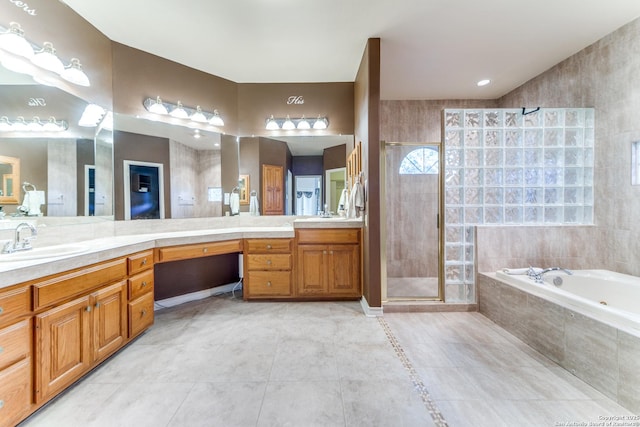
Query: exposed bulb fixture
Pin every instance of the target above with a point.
(483, 82)
(73, 73)
(288, 124)
(5, 124)
(13, 41)
(52, 125)
(20, 125)
(35, 125)
(303, 124)
(178, 112)
(272, 124)
(91, 116)
(216, 120)
(46, 58)
(198, 116)
(320, 123)
(156, 106)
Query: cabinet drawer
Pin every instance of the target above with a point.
(329, 235)
(268, 245)
(140, 314)
(269, 283)
(65, 286)
(14, 303)
(269, 262)
(139, 262)
(140, 284)
(15, 392)
(15, 343)
(176, 253)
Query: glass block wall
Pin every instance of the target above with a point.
(505, 167)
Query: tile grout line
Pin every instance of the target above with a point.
(435, 413)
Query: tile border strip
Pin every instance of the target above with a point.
(435, 413)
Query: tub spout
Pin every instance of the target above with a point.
(539, 276)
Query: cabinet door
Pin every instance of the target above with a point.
(311, 270)
(343, 270)
(63, 346)
(15, 392)
(109, 319)
(272, 191)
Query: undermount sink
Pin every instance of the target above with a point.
(46, 252)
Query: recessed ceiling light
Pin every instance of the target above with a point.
(483, 82)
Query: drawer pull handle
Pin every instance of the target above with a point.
(143, 313)
(269, 284)
(88, 309)
(143, 284)
(144, 262)
(269, 246)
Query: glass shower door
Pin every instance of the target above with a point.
(412, 193)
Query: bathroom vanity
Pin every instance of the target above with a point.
(61, 316)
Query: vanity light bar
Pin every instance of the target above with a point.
(179, 111)
(302, 123)
(20, 55)
(31, 126)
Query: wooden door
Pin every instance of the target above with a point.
(272, 190)
(62, 346)
(343, 269)
(109, 319)
(311, 270)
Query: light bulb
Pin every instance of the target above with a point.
(198, 116)
(13, 41)
(272, 124)
(320, 123)
(179, 112)
(74, 74)
(157, 107)
(288, 124)
(304, 124)
(216, 120)
(47, 59)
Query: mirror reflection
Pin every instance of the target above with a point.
(51, 168)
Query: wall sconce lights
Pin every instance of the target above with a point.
(288, 123)
(32, 126)
(18, 54)
(179, 111)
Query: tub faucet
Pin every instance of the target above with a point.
(538, 276)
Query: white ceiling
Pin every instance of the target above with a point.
(430, 49)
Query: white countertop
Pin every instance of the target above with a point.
(101, 249)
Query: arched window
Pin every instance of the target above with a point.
(420, 161)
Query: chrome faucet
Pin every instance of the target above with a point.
(20, 243)
(538, 275)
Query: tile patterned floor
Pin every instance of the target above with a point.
(224, 362)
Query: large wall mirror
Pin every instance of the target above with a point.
(62, 162)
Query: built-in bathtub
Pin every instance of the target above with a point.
(589, 324)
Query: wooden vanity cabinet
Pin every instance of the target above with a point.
(328, 263)
(267, 268)
(15, 354)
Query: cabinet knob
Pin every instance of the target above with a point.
(143, 284)
(1, 404)
(97, 305)
(143, 313)
(324, 252)
(88, 309)
(269, 246)
(269, 284)
(1, 310)
(1, 350)
(330, 252)
(268, 262)
(144, 262)
(205, 250)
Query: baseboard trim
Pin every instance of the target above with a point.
(370, 311)
(195, 296)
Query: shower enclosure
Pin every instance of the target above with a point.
(412, 207)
